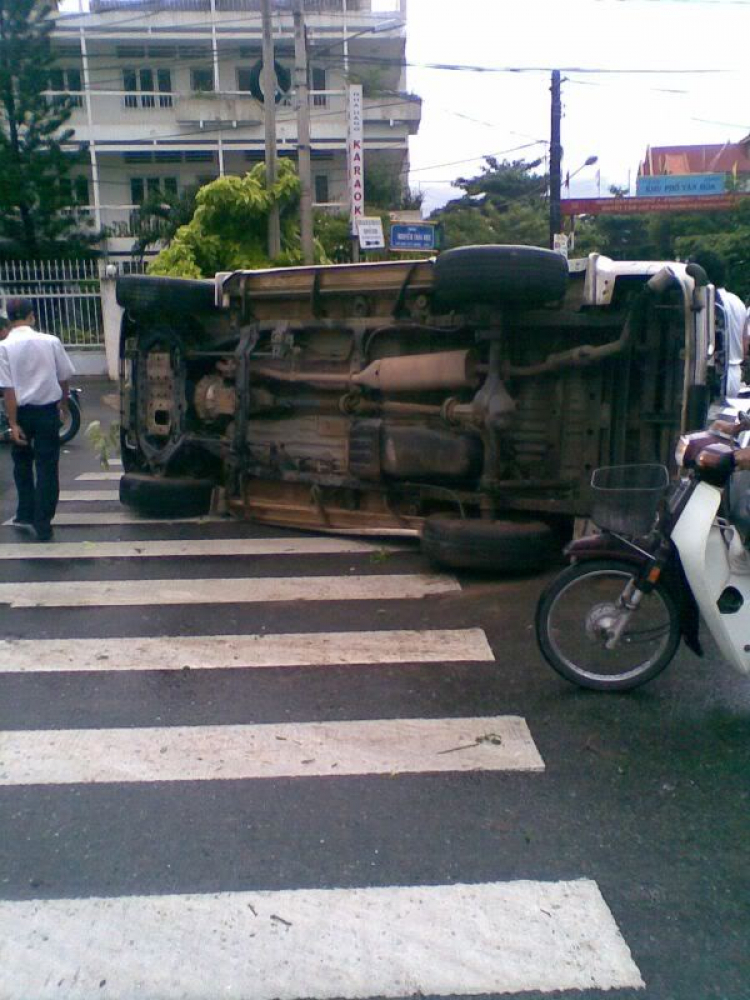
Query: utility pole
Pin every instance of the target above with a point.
(303, 132)
(269, 108)
(555, 161)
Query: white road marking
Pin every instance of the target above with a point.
(443, 940)
(216, 652)
(206, 753)
(88, 496)
(99, 477)
(244, 590)
(119, 516)
(317, 545)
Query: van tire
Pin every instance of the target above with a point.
(495, 546)
(139, 293)
(500, 275)
(166, 496)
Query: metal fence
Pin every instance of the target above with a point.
(66, 296)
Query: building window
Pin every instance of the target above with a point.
(64, 81)
(164, 81)
(137, 190)
(140, 85)
(75, 190)
(319, 83)
(321, 189)
(202, 80)
(199, 156)
(244, 76)
(151, 187)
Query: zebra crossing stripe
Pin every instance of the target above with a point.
(216, 652)
(118, 516)
(318, 545)
(244, 590)
(286, 750)
(98, 477)
(88, 495)
(395, 941)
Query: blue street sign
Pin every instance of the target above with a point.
(679, 185)
(412, 236)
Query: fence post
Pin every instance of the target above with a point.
(112, 317)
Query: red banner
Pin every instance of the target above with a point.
(640, 206)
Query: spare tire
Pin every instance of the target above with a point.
(183, 296)
(166, 496)
(499, 275)
(498, 546)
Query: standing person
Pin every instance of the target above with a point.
(731, 324)
(34, 374)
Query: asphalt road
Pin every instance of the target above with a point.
(632, 839)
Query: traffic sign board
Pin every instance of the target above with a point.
(416, 236)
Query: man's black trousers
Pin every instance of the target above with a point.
(35, 465)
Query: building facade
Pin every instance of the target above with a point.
(730, 159)
(167, 94)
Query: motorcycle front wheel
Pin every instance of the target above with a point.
(70, 426)
(576, 614)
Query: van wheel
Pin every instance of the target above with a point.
(166, 496)
(496, 546)
(183, 296)
(500, 275)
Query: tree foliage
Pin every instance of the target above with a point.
(229, 228)
(674, 236)
(504, 203)
(35, 190)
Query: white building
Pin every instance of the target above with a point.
(166, 96)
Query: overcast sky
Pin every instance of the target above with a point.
(615, 117)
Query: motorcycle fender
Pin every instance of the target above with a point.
(606, 546)
(603, 546)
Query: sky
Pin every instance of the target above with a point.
(614, 116)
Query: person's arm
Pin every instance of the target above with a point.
(65, 369)
(65, 386)
(11, 409)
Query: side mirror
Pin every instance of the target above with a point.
(699, 276)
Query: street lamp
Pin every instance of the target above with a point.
(589, 162)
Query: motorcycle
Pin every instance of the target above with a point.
(69, 425)
(668, 555)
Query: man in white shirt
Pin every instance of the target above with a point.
(732, 332)
(34, 376)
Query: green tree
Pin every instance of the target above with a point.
(161, 215)
(504, 203)
(35, 190)
(674, 236)
(229, 228)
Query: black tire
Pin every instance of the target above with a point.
(490, 546)
(166, 496)
(500, 275)
(571, 621)
(71, 426)
(142, 293)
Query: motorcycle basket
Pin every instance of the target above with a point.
(625, 498)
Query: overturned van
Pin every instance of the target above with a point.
(465, 399)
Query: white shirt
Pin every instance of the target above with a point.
(735, 318)
(33, 364)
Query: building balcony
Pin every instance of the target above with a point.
(196, 108)
(254, 6)
(396, 109)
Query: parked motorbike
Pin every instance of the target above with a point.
(665, 558)
(69, 426)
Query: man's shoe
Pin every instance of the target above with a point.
(44, 534)
(19, 522)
